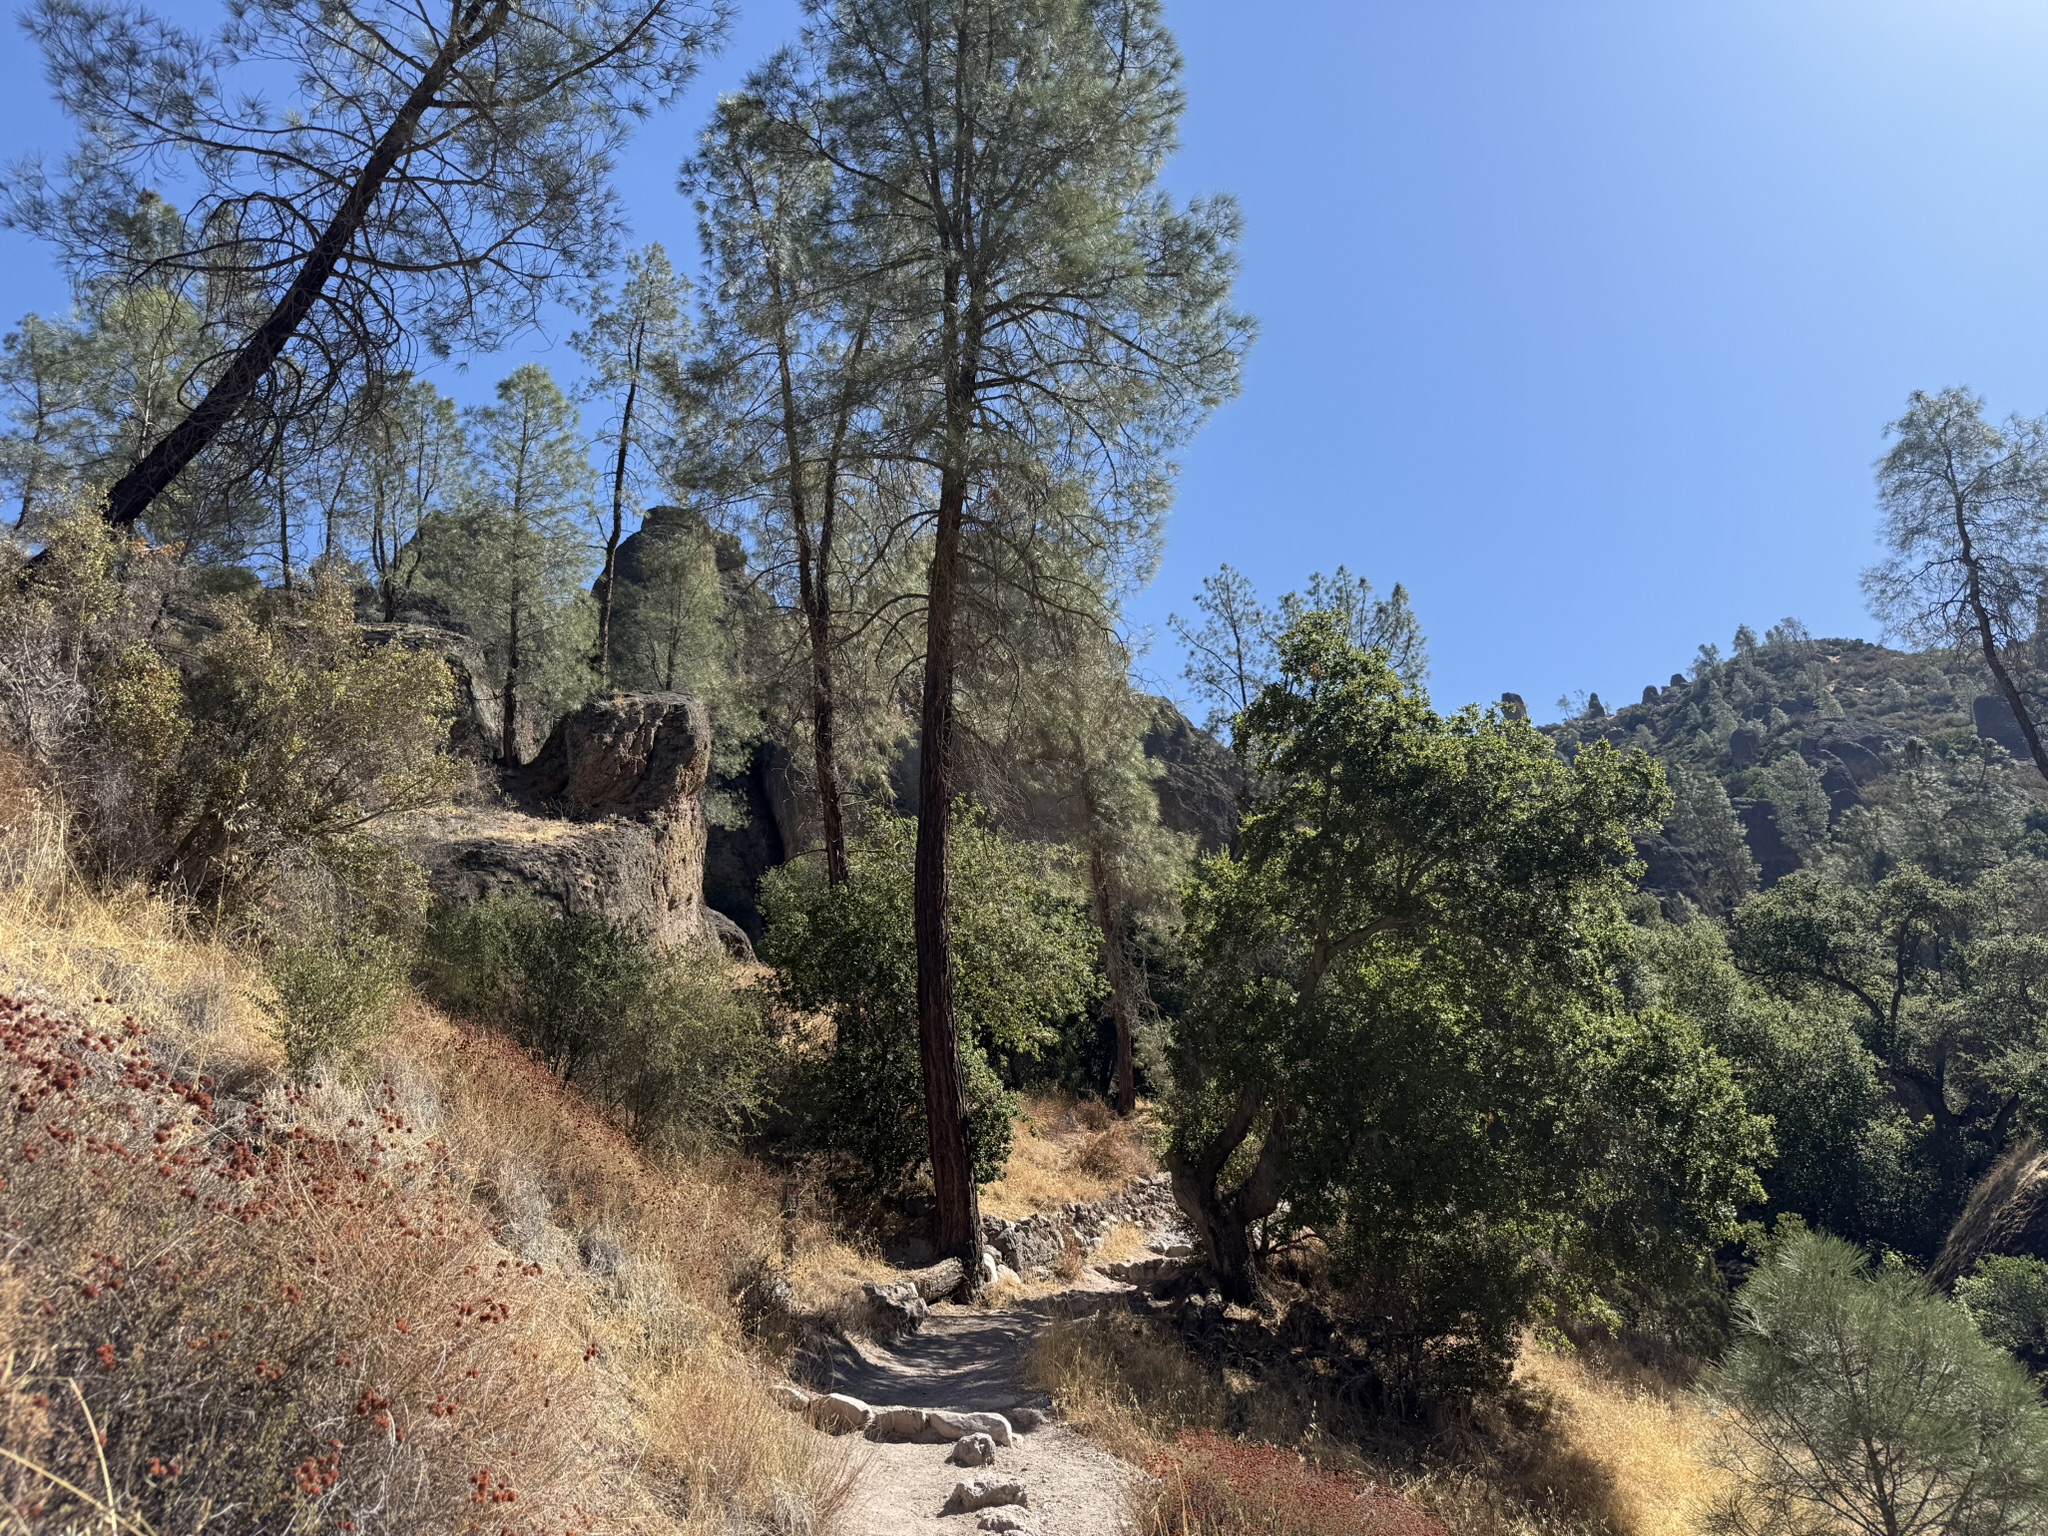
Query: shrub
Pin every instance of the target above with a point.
(1024, 960)
(664, 1037)
(335, 994)
(1213, 1485)
(2007, 1298)
(216, 1315)
(1860, 1401)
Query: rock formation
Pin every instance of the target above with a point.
(609, 822)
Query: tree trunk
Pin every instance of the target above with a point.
(284, 526)
(611, 545)
(508, 748)
(1987, 639)
(958, 1226)
(1122, 1001)
(1223, 1222)
(134, 491)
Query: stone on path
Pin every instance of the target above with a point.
(982, 1493)
(1025, 1420)
(840, 1414)
(896, 1309)
(949, 1425)
(897, 1423)
(1002, 1520)
(973, 1451)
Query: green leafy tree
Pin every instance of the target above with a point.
(1422, 911)
(1704, 824)
(1857, 1402)
(432, 175)
(1025, 962)
(512, 561)
(411, 472)
(1084, 756)
(2006, 1296)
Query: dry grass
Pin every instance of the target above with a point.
(299, 1330)
(1588, 1444)
(1643, 1437)
(1068, 1149)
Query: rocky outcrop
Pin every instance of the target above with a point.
(2007, 1214)
(757, 833)
(1995, 721)
(610, 822)
(1197, 783)
(478, 729)
(1774, 856)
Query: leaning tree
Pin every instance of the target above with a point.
(434, 171)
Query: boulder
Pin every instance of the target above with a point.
(1033, 1246)
(951, 1424)
(1197, 784)
(894, 1309)
(1026, 1420)
(1760, 830)
(1742, 745)
(838, 1414)
(2006, 1214)
(1154, 1275)
(898, 1424)
(795, 1399)
(1995, 721)
(973, 1451)
(1001, 1520)
(982, 1493)
(1513, 707)
(1839, 785)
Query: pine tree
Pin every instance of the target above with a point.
(513, 560)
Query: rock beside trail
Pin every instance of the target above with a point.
(839, 1414)
(1000, 1520)
(973, 1451)
(609, 823)
(982, 1493)
(949, 1424)
(894, 1309)
(795, 1399)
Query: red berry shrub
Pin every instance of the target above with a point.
(1211, 1485)
(266, 1329)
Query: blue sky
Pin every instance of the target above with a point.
(1582, 319)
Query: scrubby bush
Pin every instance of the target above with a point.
(1024, 961)
(206, 743)
(663, 1036)
(1217, 1485)
(249, 1323)
(1858, 1401)
(2007, 1298)
(333, 994)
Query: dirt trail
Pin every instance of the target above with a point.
(973, 1361)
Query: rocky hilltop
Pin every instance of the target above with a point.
(1848, 711)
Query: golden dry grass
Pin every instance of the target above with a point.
(620, 1343)
(1589, 1445)
(1643, 1438)
(1068, 1149)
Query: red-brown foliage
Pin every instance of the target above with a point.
(1212, 1485)
(265, 1328)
